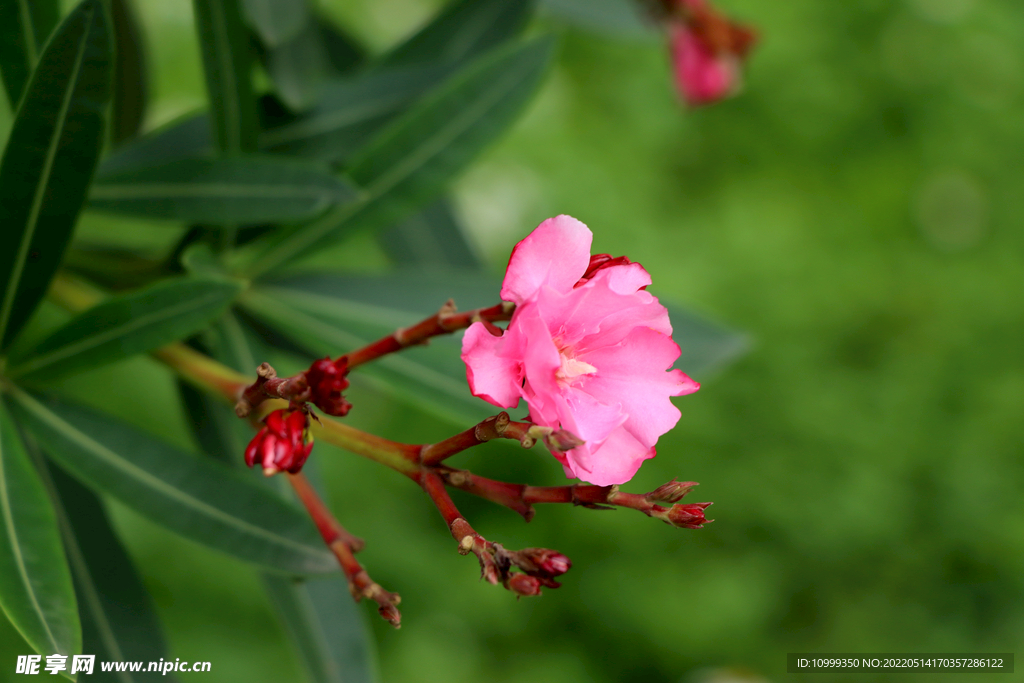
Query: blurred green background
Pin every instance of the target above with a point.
(857, 211)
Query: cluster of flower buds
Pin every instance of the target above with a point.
(326, 380)
(707, 49)
(282, 444)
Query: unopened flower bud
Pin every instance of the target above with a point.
(671, 492)
(562, 440)
(542, 562)
(281, 443)
(326, 380)
(689, 516)
(523, 585)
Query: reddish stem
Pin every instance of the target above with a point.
(445, 321)
(344, 545)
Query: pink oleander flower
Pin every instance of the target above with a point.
(281, 444)
(707, 51)
(587, 348)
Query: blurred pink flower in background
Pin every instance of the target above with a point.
(707, 50)
(587, 347)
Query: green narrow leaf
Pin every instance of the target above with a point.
(185, 137)
(195, 497)
(619, 18)
(300, 67)
(415, 158)
(119, 621)
(50, 158)
(36, 591)
(24, 27)
(129, 324)
(276, 21)
(343, 51)
(430, 238)
(242, 189)
(131, 89)
(227, 63)
(326, 628)
(464, 29)
(351, 110)
(706, 346)
(330, 315)
(328, 631)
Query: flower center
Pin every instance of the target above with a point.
(571, 369)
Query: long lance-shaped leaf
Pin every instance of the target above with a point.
(276, 21)
(50, 158)
(119, 621)
(414, 159)
(36, 591)
(24, 27)
(299, 67)
(328, 631)
(129, 324)
(196, 497)
(430, 238)
(227, 63)
(186, 137)
(618, 18)
(131, 89)
(353, 110)
(464, 28)
(243, 189)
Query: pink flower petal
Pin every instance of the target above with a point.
(615, 462)
(634, 373)
(493, 374)
(557, 253)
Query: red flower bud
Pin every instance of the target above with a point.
(671, 492)
(541, 562)
(523, 585)
(326, 381)
(281, 443)
(687, 516)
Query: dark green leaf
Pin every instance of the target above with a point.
(242, 189)
(131, 89)
(119, 621)
(329, 315)
(343, 51)
(50, 158)
(196, 497)
(276, 21)
(128, 324)
(327, 628)
(415, 158)
(620, 18)
(706, 346)
(299, 67)
(36, 591)
(227, 63)
(188, 136)
(351, 110)
(431, 237)
(24, 28)
(463, 30)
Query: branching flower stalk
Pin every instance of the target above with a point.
(283, 405)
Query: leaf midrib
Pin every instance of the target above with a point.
(153, 482)
(19, 559)
(44, 181)
(135, 323)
